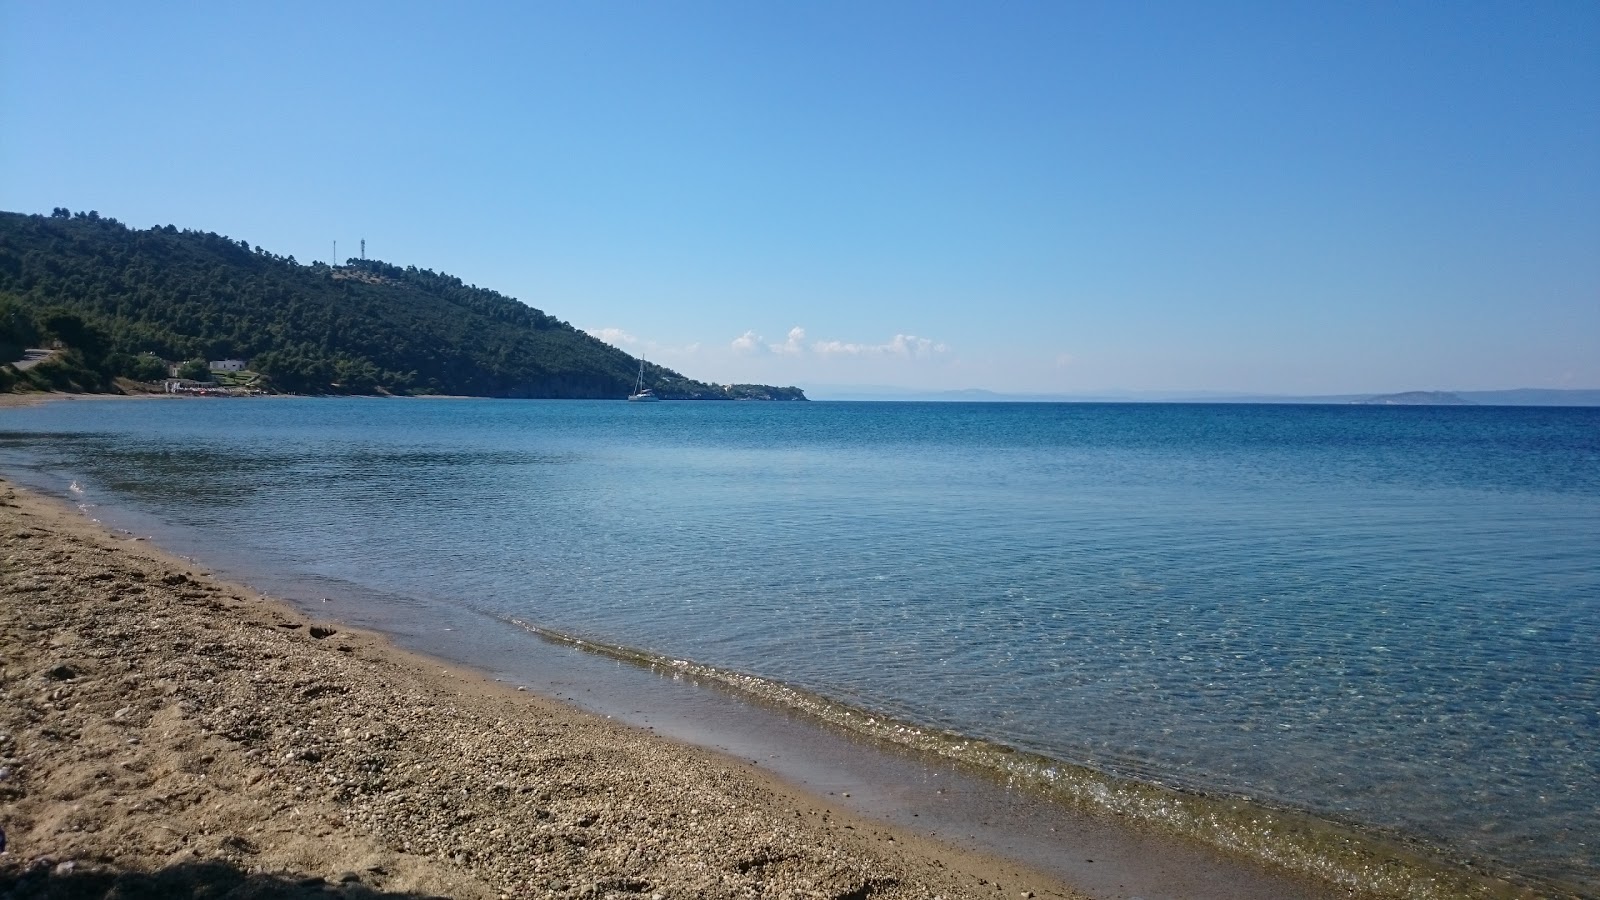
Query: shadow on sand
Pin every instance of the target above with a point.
(209, 879)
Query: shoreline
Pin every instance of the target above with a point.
(1303, 852)
(1383, 862)
(163, 724)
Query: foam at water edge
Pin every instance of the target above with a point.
(1366, 865)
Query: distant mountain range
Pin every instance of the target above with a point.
(1518, 397)
(1417, 398)
(126, 302)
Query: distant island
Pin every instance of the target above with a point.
(1417, 398)
(126, 309)
(1512, 397)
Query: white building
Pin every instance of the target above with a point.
(226, 365)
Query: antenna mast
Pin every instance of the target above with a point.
(336, 254)
(363, 248)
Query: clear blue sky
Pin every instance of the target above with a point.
(1043, 197)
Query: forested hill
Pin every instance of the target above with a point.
(364, 327)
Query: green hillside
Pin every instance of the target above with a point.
(122, 298)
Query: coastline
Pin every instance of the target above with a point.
(16, 401)
(469, 672)
(164, 727)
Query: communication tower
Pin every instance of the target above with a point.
(363, 248)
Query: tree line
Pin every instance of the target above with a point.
(125, 301)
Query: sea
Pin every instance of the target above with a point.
(1385, 619)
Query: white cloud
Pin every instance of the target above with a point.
(622, 340)
(912, 346)
(748, 343)
(833, 348)
(752, 344)
(792, 346)
(616, 337)
(906, 346)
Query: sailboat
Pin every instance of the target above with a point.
(642, 394)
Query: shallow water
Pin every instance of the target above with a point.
(1385, 616)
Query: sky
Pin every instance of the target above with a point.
(1034, 197)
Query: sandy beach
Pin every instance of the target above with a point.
(164, 733)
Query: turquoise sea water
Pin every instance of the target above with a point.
(1383, 616)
